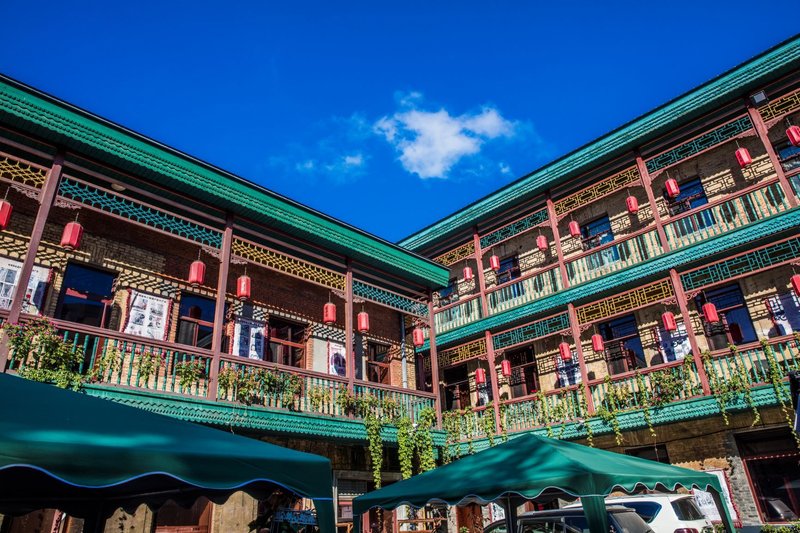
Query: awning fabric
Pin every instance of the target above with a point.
(534, 467)
(66, 450)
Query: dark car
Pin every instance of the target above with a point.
(620, 520)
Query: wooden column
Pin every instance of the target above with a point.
(493, 379)
(348, 327)
(219, 309)
(434, 362)
(553, 218)
(46, 198)
(576, 337)
(763, 134)
(479, 266)
(680, 297)
(651, 199)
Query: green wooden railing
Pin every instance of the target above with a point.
(523, 290)
(614, 256)
(457, 314)
(550, 408)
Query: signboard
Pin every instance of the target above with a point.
(148, 315)
(337, 359)
(248, 338)
(37, 285)
(706, 504)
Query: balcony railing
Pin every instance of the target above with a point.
(523, 290)
(543, 409)
(457, 314)
(614, 256)
(747, 206)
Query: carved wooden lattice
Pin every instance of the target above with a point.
(22, 172)
(627, 301)
(529, 332)
(781, 106)
(454, 256)
(515, 228)
(288, 265)
(459, 354)
(593, 192)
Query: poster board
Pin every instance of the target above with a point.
(784, 310)
(34, 294)
(675, 344)
(705, 501)
(249, 338)
(148, 315)
(337, 359)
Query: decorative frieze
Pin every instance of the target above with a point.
(389, 299)
(454, 256)
(626, 301)
(780, 106)
(529, 332)
(22, 172)
(288, 265)
(591, 193)
(458, 354)
(515, 228)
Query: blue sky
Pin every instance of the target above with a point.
(388, 116)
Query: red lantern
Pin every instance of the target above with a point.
(565, 352)
(5, 213)
(633, 204)
(363, 322)
(743, 157)
(710, 312)
(197, 273)
(796, 284)
(494, 263)
(243, 287)
(467, 273)
(669, 321)
(505, 367)
(71, 237)
(597, 343)
(541, 243)
(418, 337)
(329, 313)
(794, 135)
(574, 229)
(672, 188)
(480, 376)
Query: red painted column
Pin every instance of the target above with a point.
(553, 218)
(680, 296)
(479, 267)
(576, 337)
(434, 363)
(493, 379)
(651, 199)
(46, 198)
(763, 134)
(348, 328)
(219, 310)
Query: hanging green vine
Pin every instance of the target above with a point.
(543, 409)
(776, 376)
(375, 447)
(405, 446)
(487, 422)
(726, 388)
(423, 440)
(644, 402)
(503, 422)
(587, 419)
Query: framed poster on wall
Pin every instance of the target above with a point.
(337, 359)
(148, 315)
(706, 504)
(37, 286)
(249, 337)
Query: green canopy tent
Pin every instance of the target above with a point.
(538, 468)
(88, 456)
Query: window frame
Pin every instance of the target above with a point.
(198, 322)
(629, 361)
(301, 362)
(708, 329)
(62, 293)
(381, 367)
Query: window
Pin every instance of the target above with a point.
(735, 325)
(789, 156)
(624, 350)
(509, 271)
(524, 379)
(449, 294)
(196, 320)
(378, 363)
(771, 462)
(456, 388)
(656, 453)
(286, 342)
(595, 234)
(692, 196)
(86, 295)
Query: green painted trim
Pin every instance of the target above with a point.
(38, 114)
(735, 83)
(242, 417)
(651, 268)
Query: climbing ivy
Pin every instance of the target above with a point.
(375, 446)
(776, 376)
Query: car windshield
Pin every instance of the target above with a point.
(630, 522)
(685, 509)
(647, 510)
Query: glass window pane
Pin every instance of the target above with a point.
(85, 294)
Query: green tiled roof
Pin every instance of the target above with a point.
(64, 125)
(733, 84)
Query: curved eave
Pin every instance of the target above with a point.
(736, 83)
(41, 115)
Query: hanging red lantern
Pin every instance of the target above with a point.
(597, 343)
(794, 135)
(710, 312)
(418, 336)
(633, 204)
(574, 229)
(71, 237)
(5, 213)
(467, 273)
(494, 263)
(329, 313)
(565, 352)
(505, 368)
(363, 322)
(672, 188)
(743, 157)
(669, 321)
(541, 243)
(197, 273)
(796, 284)
(480, 376)
(243, 287)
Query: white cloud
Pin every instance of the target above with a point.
(504, 168)
(355, 160)
(430, 143)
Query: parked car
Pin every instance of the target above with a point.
(665, 513)
(620, 520)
